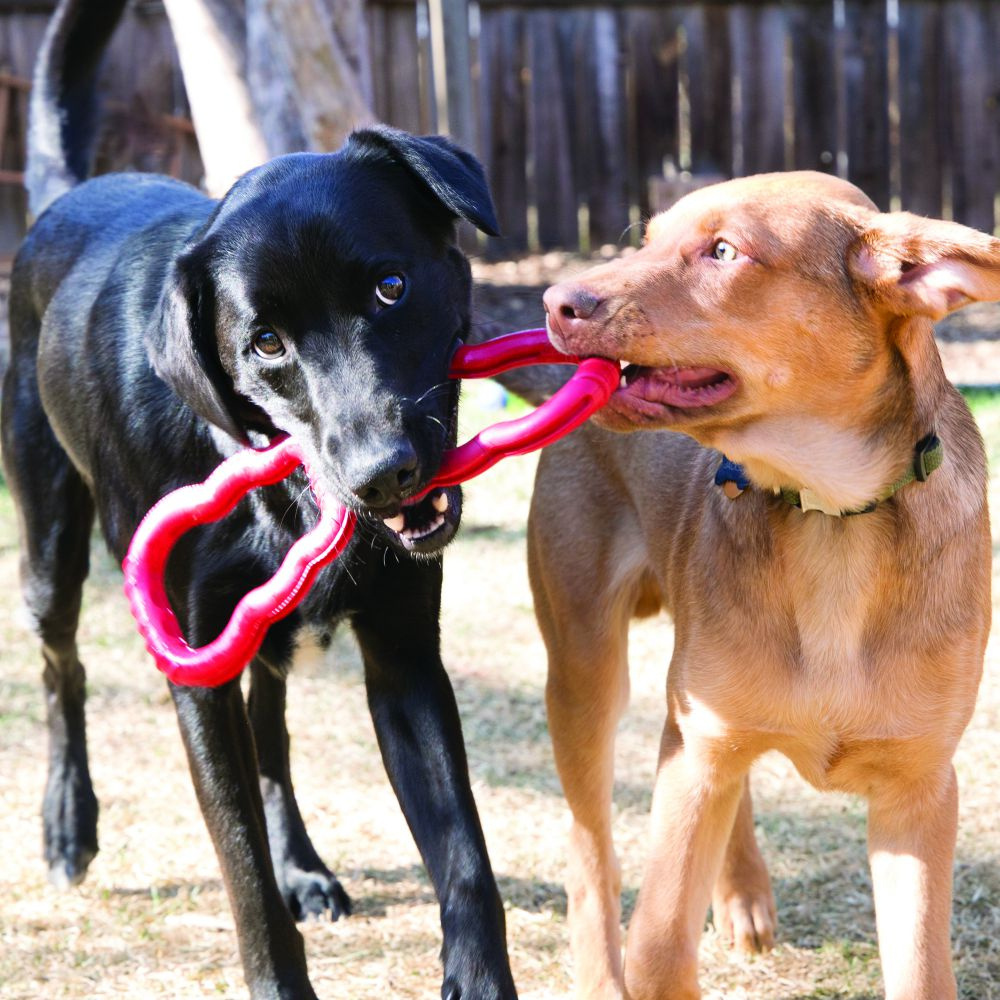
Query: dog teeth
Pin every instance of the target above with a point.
(396, 523)
(415, 534)
(440, 503)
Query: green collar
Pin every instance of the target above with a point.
(927, 456)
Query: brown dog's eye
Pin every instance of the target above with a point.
(390, 289)
(723, 250)
(267, 345)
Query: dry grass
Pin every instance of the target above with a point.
(152, 919)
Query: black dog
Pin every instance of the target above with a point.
(154, 330)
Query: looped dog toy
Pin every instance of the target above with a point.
(178, 512)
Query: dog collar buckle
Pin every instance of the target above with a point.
(809, 500)
(927, 457)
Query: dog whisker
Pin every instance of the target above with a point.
(296, 501)
(434, 389)
(638, 224)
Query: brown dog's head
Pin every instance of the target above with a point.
(771, 312)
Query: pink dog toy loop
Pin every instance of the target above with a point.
(178, 512)
(586, 392)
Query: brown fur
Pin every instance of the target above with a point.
(853, 645)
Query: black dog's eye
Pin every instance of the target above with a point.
(267, 345)
(390, 289)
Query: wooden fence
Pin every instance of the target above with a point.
(579, 104)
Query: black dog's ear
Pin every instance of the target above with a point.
(182, 346)
(454, 176)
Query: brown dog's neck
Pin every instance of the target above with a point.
(851, 459)
(840, 469)
(928, 386)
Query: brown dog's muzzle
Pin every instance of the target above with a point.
(569, 308)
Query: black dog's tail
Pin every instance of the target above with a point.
(62, 119)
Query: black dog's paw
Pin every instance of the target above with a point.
(70, 869)
(314, 894)
(478, 990)
(69, 819)
(475, 982)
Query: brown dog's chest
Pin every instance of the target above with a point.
(820, 645)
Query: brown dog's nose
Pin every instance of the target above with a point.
(568, 309)
(570, 302)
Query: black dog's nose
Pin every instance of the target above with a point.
(385, 481)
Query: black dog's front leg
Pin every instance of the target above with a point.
(308, 887)
(419, 733)
(223, 763)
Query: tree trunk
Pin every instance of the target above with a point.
(266, 77)
(211, 45)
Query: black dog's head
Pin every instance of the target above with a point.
(324, 299)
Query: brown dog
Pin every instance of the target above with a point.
(831, 594)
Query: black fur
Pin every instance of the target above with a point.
(134, 306)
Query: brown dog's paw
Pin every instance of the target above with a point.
(746, 920)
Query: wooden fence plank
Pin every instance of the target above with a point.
(922, 107)
(451, 69)
(709, 88)
(758, 55)
(606, 195)
(375, 17)
(653, 65)
(20, 38)
(503, 126)
(970, 40)
(550, 134)
(403, 64)
(864, 53)
(814, 96)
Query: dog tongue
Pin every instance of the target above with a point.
(679, 386)
(690, 378)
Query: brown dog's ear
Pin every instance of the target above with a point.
(182, 345)
(925, 267)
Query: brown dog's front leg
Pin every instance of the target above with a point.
(584, 617)
(694, 806)
(911, 847)
(584, 698)
(742, 901)
(220, 751)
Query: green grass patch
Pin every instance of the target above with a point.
(985, 406)
(983, 401)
